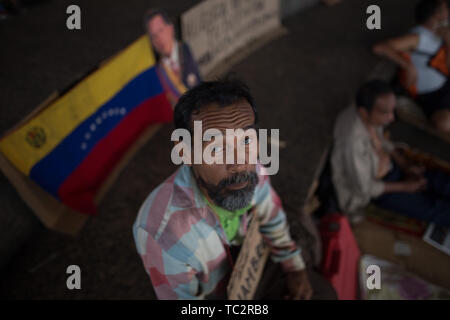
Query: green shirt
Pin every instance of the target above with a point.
(230, 220)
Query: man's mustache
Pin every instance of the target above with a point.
(232, 199)
(238, 178)
(241, 177)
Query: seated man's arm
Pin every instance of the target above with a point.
(363, 178)
(275, 229)
(171, 278)
(404, 186)
(392, 49)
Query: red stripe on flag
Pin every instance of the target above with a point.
(79, 189)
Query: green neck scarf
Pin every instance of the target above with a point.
(230, 220)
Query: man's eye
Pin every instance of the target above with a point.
(247, 140)
(216, 149)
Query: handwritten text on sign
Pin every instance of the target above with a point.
(215, 29)
(249, 265)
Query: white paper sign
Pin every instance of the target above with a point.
(215, 29)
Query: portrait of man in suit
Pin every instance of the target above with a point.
(177, 67)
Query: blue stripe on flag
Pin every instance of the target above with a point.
(53, 169)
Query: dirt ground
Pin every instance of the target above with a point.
(300, 82)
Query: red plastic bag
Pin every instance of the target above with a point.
(340, 255)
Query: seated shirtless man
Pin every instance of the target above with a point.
(424, 59)
(367, 167)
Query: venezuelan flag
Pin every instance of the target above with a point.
(70, 147)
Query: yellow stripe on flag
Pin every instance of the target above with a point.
(31, 142)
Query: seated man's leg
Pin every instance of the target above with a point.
(426, 206)
(422, 206)
(438, 183)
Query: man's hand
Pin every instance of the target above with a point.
(412, 186)
(298, 285)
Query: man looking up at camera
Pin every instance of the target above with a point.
(189, 226)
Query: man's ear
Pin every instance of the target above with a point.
(363, 113)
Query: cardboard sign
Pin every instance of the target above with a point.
(249, 265)
(215, 29)
(408, 251)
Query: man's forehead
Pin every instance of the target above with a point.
(238, 115)
(385, 102)
(156, 21)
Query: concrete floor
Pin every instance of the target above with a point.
(300, 82)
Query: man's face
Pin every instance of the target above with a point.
(442, 13)
(382, 112)
(230, 186)
(161, 35)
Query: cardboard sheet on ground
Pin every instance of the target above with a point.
(397, 283)
(249, 265)
(407, 250)
(64, 156)
(395, 221)
(398, 238)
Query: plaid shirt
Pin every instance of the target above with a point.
(182, 243)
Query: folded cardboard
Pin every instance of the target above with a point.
(406, 250)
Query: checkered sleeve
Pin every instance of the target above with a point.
(171, 278)
(275, 228)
